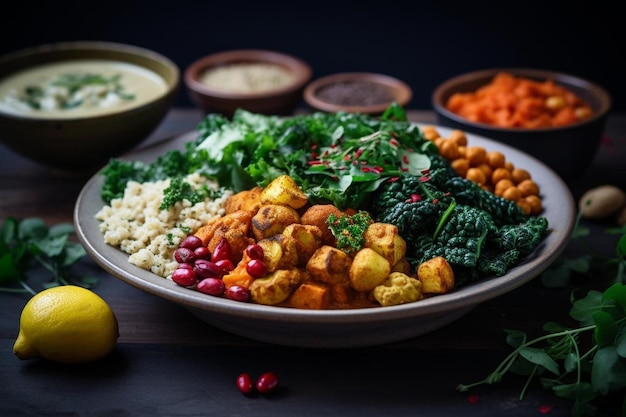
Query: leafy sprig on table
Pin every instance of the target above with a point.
(584, 363)
(29, 243)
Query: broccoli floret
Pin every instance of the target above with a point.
(398, 288)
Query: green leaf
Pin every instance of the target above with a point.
(583, 309)
(32, 228)
(541, 358)
(571, 361)
(72, 254)
(8, 232)
(608, 373)
(620, 342)
(582, 391)
(52, 246)
(61, 229)
(606, 328)
(617, 293)
(9, 272)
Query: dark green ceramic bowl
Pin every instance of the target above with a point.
(85, 144)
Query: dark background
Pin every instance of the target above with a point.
(422, 43)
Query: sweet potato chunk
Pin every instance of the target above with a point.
(310, 295)
(234, 227)
(248, 200)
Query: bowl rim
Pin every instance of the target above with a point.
(301, 70)
(402, 91)
(94, 45)
(560, 78)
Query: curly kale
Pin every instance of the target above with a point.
(441, 214)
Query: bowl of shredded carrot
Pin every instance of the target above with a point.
(558, 118)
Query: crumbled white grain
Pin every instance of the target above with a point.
(136, 224)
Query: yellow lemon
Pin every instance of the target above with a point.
(67, 324)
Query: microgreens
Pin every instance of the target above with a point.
(27, 243)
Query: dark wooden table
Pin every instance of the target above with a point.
(169, 363)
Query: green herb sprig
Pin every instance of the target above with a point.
(349, 230)
(28, 243)
(587, 362)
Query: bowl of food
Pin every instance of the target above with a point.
(260, 81)
(357, 92)
(296, 254)
(73, 105)
(556, 117)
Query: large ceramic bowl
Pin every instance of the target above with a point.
(567, 149)
(257, 80)
(334, 328)
(81, 138)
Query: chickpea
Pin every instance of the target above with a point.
(462, 151)
(528, 187)
(459, 137)
(476, 155)
(484, 167)
(439, 141)
(512, 193)
(449, 149)
(519, 175)
(502, 185)
(461, 166)
(476, 175)
(430, 132)
(525, 206)
(535, 203)
(509, 165)
(500, 174)
(496, 159)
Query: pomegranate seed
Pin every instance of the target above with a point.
(207, 269)
(185, 265)
(222, 250)
(238, 293)
(244, 383)
(267, 383)
(256, 268)
(202, 253)
(191, 242)
(183, 255)
(211, 286)
(184, 277)
(254, 251)
(225, 265)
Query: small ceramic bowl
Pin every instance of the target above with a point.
(81, 138)
(260, 81)
(567, 149)
(357, 92)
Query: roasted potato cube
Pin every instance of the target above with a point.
(308, 239)
(436, 276)
(310, 295)
(272, 219)
(284, 190)
(317, 215)
(329, 264)
(276, 287)
(248, 200)
(279, 252)
(385, 239)
(368, 270)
